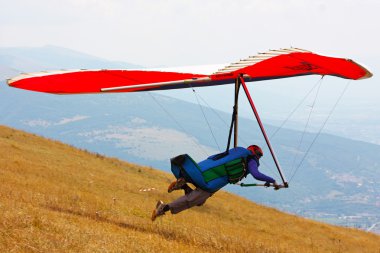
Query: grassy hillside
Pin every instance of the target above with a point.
(54, 198)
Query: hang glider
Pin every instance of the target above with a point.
(273, 64)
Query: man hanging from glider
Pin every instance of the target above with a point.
(211, 175)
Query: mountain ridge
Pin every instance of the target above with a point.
(49, 57)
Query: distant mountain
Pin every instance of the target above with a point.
(337, 182)
(50, 58)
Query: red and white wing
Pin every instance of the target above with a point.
(264, 66)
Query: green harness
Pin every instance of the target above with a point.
(236, 170)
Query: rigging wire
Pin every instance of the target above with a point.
(282, 124)
(320, 130)
(204, 116)
(220, 117)
(306, 126)
(296, 108)
(178, 124)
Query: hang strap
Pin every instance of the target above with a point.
(234, 113)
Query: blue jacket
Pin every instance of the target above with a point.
(184, 166)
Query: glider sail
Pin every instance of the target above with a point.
(273, 64)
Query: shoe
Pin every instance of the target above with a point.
(159, 210)
(176, 185)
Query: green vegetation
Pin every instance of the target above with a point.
(55, 198)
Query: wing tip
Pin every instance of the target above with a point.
(11, 81)
(368, 73)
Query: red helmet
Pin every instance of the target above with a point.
(256, 150)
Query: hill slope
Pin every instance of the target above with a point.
(54, 198)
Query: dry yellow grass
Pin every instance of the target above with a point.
(55, 198)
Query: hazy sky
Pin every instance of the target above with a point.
(184, 32)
